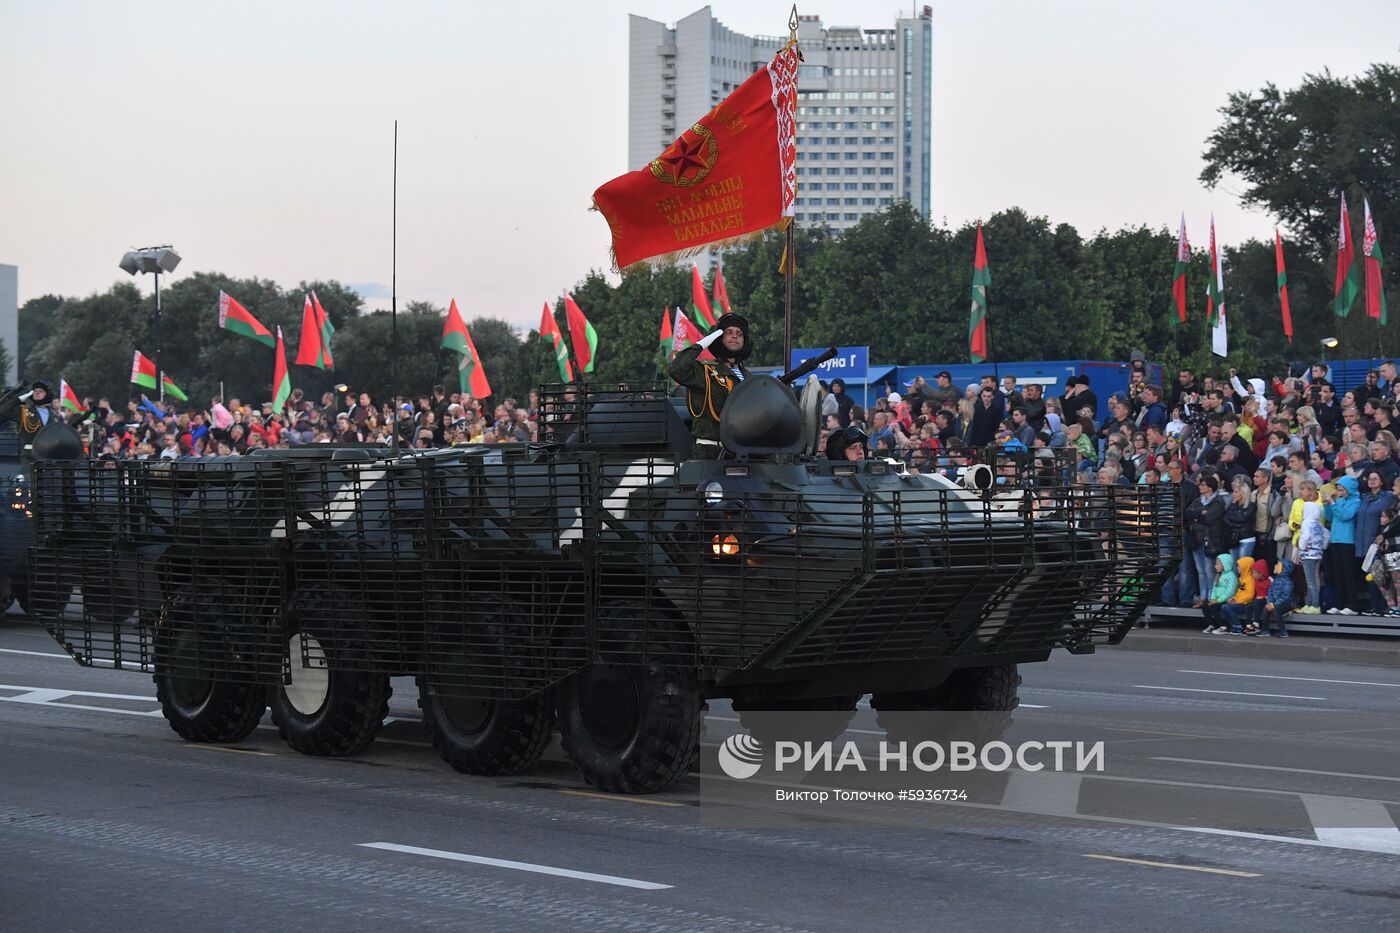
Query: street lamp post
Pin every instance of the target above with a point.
(155, 260)
(1328, 343)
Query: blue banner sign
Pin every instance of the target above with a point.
(851, 363)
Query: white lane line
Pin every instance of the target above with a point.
(61, 692)
(105, 662)
(50, 697)
(1233, 693)
(1240, 764)
(1046, 792)
(1316, 680)
(519, 866)
(1352, 822)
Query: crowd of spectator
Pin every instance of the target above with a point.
(145, 429)
(1289, 477)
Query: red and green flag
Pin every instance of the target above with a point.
(684, 333)
(550, 328)
(235, 319)
(471, 375)
(699, 305)
(143, 373)
(309, 349)
(1347, 286)
(667, 338)
(1183, 258)
(327, 330)
(281, 379)
(1283, 286)
(582, 335)
(977, 350)
(1375, 268)
(721, 292)
(68, 399)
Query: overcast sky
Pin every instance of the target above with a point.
(256, 137)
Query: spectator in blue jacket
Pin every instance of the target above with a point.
(1339, 561)
(1153, 411)
(1280, 602)
(1375, 499)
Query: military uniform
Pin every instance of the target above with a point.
(33, 416)
(708, 384)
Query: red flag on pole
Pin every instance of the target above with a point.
(323, 325)
(1375, 268)
(1183, 258)
(550, 328)
(582, 335)
(1283, 286)
(727, 179)
(281, 380)
(309, 346)
(663, 347)
(1347, 286)
(977, 318)
(721, 292)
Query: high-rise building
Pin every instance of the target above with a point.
(862, 109)
(9, 320)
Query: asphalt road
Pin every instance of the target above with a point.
(1226, 808)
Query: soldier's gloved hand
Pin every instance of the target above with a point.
(705, 341)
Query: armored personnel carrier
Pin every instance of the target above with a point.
(599, 582)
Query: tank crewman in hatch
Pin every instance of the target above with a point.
(709, 382)
(33, 412)
(846, 444)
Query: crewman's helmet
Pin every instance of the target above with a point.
(734, 320)
(837, 441)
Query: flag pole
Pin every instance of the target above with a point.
(394, 298)
(790, 267)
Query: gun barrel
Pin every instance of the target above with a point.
(806, 367)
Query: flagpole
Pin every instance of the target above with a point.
(394, 298)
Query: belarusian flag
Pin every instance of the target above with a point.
(323, 323)
(1215, 299)
(233, 317)
(729, 176)
(281, 379)
(309, 349)
(1183, 257)
(977, 320)
(699, 304)
(1375, 268)
(550, 328)
(581, 335)
(1347, 286)
(143, 371)
(663, 348)
(684, 333)
(471, 375)
(68, 399)
(171, 389)
(721, 293)
(1283, 287)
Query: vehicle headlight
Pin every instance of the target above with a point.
(713, 492)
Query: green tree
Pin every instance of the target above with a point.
(38, 319)
(1297, 150)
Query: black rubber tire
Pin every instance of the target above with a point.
(988, 693)
(656, 749)
(823, 719)
(507, 738)
(348, 719)
(205, 709)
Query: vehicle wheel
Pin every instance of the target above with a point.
(817, 720)
(488, 737)
(983, 696)
(632, 728)
(198, 707)
(326, 709)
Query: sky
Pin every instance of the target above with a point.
(258, 137)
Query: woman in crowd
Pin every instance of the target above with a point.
(1205, 526)
(1374, 500)
(1339, 562)
(1239, 519)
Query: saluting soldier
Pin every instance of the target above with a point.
(709, 382)
(35, 413)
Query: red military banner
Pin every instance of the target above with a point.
(728, 178)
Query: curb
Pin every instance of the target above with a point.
(1296, 648)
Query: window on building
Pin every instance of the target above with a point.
(833, 140)
(886, 201)
(852, 202)
(837, 171)
(887, 157)
(886, 186)
(833, 186)
(852, 186)
(833, 202)
(867, 186)
(864, 140)
(867, 202)
(868, 170)
(809, 72)
(887, 140)
(852, 156)
(852, 216)
(852, 140)
(884, 170)
(852, 170)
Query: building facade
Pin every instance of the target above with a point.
(862, 112)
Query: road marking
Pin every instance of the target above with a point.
(618, 797)
(519, 866)
(1352, 822)
(1240, 764)
(1233, 693)
(48, 696)
(378, 739)
(105, 662)
(1046, 792)
(1139, 861)
(1316, 680)
(225, 748)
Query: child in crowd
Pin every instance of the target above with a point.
(1280, 602)
(1242, 599)
(1258, 609)
(1312, 541)
(1226, 583)
(1385, 572)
